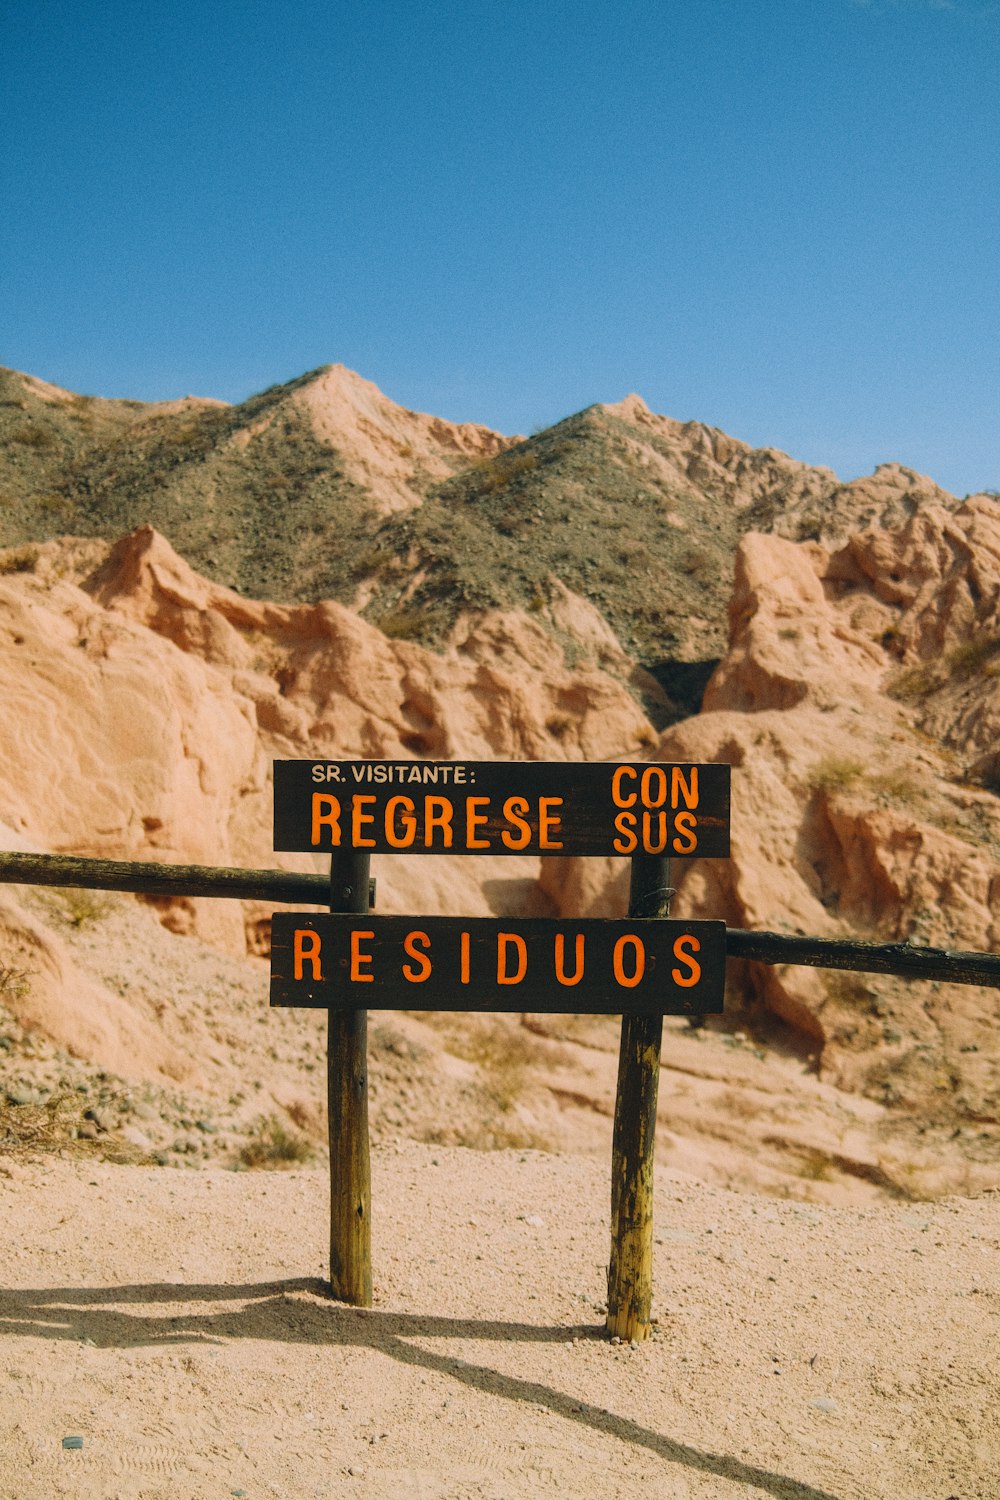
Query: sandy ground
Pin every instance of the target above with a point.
(176, 1323)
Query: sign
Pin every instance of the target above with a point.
(502, 807)
(651, 966)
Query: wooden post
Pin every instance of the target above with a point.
(347, 1107)
(630, 1271)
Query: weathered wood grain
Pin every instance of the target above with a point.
(593, 966)
(347, 1106)
(630, 1269)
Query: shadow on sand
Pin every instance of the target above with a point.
(277, 1310)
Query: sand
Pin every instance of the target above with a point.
(176, 1322)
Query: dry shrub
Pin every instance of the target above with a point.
(39, 1127)
(847, 988)
(815, 1165)
(503, 1053)
(82, 906)
(39, 438)
(272, 1146)
(897, 787)
(972, 657)
(559, 725)
(19, 559)
(912, 684)
(495, 473)
(412, 624)
(835, 773)
(14, 983)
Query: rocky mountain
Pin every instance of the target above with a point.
(495, 598)
(325, 489)
(144, 706)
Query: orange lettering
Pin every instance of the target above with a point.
(359, 816)
(680, 788)
(358, 958)
(685, 823)
(513, 810)
(306, 950)
(647, 832)
(561, 974)
(438, 813)
(657, 776)
(692, 964)
(617, 796)
(464, 966)
(474, 820)
(416, 976)
(402, 837)
(504, 941)
(625, 823)
(325, 814)
(548, 822)
(629, 982)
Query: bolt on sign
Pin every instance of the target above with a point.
(497, 807)
(655, 966)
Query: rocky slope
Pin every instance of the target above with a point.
(325, 489)
(858, 705)
(856, 701)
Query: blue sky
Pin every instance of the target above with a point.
(780, 217)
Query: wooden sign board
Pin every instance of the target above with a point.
(502, 807)
(655, 966)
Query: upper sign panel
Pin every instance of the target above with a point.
(502, 807)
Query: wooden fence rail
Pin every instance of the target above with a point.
(348, 889)
(288, 887)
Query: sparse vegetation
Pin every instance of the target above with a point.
(412, 623)
(835, 773)
(19, 559)
(897, 787)
(697, 562)
(48, 1126)
(913, 683)
(975, 657)
(848, 988)
(39, 438)
(495, 473)
(14, 983)
(815, 1165)
(504, 1054)
(81, 907)
(559, 725)
(272, 1145)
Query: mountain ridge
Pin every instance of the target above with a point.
(323, 487)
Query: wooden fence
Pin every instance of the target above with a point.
(349, 889)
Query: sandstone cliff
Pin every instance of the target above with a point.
(856, 702)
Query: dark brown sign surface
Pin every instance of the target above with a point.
(653, 966)
(502, 807)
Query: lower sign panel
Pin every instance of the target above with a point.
(654, 966)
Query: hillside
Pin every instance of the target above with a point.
(462, 595)
(325, 489)
(145, 704)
